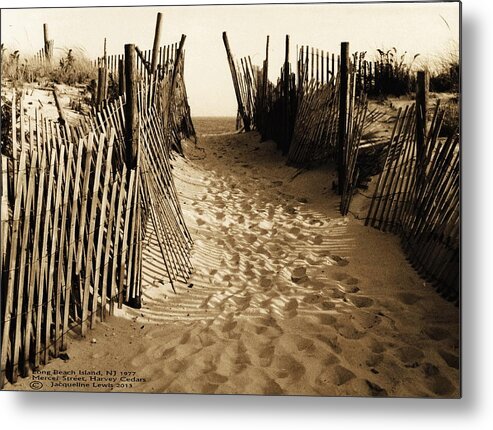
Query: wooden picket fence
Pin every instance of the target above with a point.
(383, 77)
(417, 196)
(58, 215)
(302, 111)
(166, 59)
(39, 57)
(315, 131)
(74, 217)
(316, 65)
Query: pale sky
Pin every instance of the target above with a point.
(431, 29)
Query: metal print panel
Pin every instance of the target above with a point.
(244, 199)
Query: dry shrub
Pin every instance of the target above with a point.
(72, 68)
(445, 78)
(396, 77)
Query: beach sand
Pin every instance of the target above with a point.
(287, 296)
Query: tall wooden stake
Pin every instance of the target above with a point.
(155, 47)
(266, 71)
(48, 44)
(131, 131)
(342, 126)
(121, 77)
(131, 112)
(286, 98)
(241, 108)
(421, 99)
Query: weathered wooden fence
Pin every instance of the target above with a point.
(417, 196)
(76, 209)
(389, 74)
(304, 113)
(320, 114)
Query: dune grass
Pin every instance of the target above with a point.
(72, 67)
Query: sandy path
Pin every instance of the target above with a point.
(287, 296)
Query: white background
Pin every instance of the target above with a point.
(473, 411)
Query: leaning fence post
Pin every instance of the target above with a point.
(241, 108)
(341, 130)
(155, 47)
(421, 99)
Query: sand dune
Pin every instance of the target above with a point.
(287, 296)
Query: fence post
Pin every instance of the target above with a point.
(341, 130)
(105, 72)
(265, 74)
(285, 144)
(155, 47)
(100, 90)
(131, 112)
(121, 77)
(241, 108)
(421, 99)
(48, 44)
(131, 133)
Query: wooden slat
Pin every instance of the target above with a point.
(101, 229)
(67, 286)
(90, 238)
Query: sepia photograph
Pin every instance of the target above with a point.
(257, 199)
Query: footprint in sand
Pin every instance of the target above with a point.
(176, 365)
(345, 280)
(228, 326)
(266, 355)
(408, 298)
(346, 329)
(291, 307)
(216, 378)
(206, 340)
(331, 341)
(312, 299)
(372, 389)
(185, 338)
(327, 305)
(436, 333)
(374, 360)
(271, 387)
(250, 238)
(361, 302)
(265, 282)
(288, 367)
(440, 385)
(340, 261)
(335, 375)
(327, 319)
(299, 275)
(206, 388)
(376, 346)
(409, 355)
(304, 344)
(335, 293)
(367, 320)
(451, 359)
